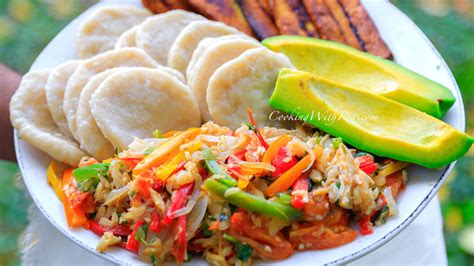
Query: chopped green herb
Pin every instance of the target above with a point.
(206, 231)
(207, 154)
(157, 134)
(230, 238)
(251, 127)
(153, 260)
(87, 177)
(149, 150)
(141, 233)
(132, 194)
(244, 252)
(338, 184)
(359, 154)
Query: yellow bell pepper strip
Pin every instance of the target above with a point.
(392, 168)
(275, 147)
(164, 171)
(75, 215)
(55, 181)
(165, 151)
(251, 202)
(285, 181)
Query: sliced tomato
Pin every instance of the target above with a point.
(242, 228)
(320, 236)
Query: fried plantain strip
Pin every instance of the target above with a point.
(338, 14)
(366, 29)
(261, 23)
(155, 6)
(321, 16)
(227, 11)
(303, 18)
(286, 20)
(178, 4)
(266, 5)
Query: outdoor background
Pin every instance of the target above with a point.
(26, 26)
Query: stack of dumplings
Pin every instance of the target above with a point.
(136, 73)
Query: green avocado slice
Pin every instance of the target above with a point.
(368, 121)
(356, 69)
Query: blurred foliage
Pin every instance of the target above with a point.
(450, 26)
(26, 26)
(13, 210)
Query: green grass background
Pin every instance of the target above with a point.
(26, 26)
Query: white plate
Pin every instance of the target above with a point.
(410, 47)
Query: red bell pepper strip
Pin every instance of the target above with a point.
(142, 186)
(366, 225)
(366, 164)
(178, 200)
(132, 243)
(282, 163)
(233, 166)
(131, 163)
(155, 224)
(157, 185)
(119, 230)
(257, 131)
(299, 193)
(179, 249)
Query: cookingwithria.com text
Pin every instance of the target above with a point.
(328, 117)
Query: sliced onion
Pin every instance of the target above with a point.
(191, 202)
(196, 216)
(258, 166)
(116, 195)
(392, 206)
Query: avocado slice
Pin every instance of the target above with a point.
(368, 121)
(356, 69)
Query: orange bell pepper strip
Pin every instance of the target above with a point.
(274, 147)
(55, 181)
(75, 216)
(170, 134)
(165, 151)
(285, 181)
